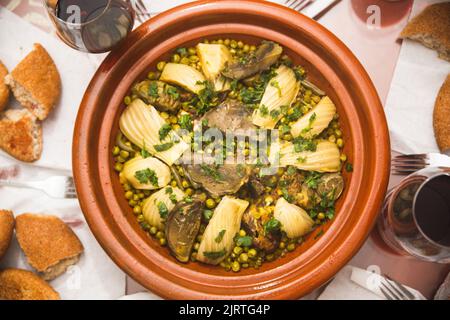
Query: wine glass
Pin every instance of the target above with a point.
(94, 26)
(415, 218)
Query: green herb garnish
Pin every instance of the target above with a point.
(214, 255)
(163, 210)
(219, 237)
(207, 214)
(264, 110)
(276, 85)
(245, 241)
(164, 131)
(272, 225)
(147, 176)
(153, 89)
(163, 147)
(212, 172)
(144, 153)
(274, 114)
(186, 122)
(348, 167)
(312, 179)
(173, 93)
(302, 144)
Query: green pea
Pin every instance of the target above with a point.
(192, 51)
(129, 195)
(132, 203)
(291, 247)
(160, 235)
(137, 210)
(153, 230)
(194, 58)
(237, 250)
(235, 266)
(118, 167)
(233, 44)
(160, 66)
(185, 60)
(124, 154)
(176, 58)
(243, 258)
(127, 100)
(116, 151)
(162, 241)
(151, 75)
(252, 253)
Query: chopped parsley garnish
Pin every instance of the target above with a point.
(147, 176)
(264, 110)
(286, 195)
(291, 170)
(234, 85)
(169, 190)
(206, 97)
(153, 89)
(182, 52)
(163, 147)
(276, 85)
(144, 153)
(163, 210)
(214, 255)
(301, 159)
(207, 214)
(212, 172)
(312, 179)
(219, 237)
(188, 200)
(164, 131)
(348, 167)
(275, 114)
(272, 225)
(311, 121)
(302, 144)
(295, 115)
(284, 128)
(186, 122)
(173, 93)
(243, 241)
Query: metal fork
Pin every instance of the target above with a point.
(407, 164)
(142, 14)
(55, 187)
(298, 5)
(394, 290)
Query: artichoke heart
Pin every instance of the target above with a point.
(142, 124)
(316, 120)
(325, 158)
(157, 207)
(146, 173)
(295, 221)
(182, 227)
(159, 94)
(214, 58)
(262, 59)
(184, 76)
(280, 92)
(218, 239)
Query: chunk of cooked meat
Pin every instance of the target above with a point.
(230, 115)
(255, 228)
(218, 180)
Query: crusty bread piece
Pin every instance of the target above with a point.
(441, 117)
(16, 284)
(6, 230)
(21, 135)
(4, 90)
(432, 28)
(48, 243)
(35, 82)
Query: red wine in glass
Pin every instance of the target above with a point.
(93, 25)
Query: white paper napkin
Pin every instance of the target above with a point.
(95, 276)
(409, 107)
(353, 283)
(76, 69)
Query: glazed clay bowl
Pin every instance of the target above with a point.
(329, 64)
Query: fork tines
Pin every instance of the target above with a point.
(407, 164)
(297, 5)
(142, 13)
(394, 290)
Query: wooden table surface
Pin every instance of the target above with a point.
(377, 47)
